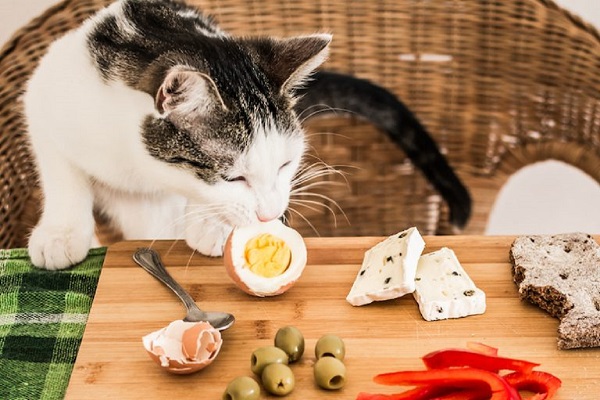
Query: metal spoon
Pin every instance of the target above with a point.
(150, 261)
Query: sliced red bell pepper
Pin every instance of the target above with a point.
(467, 378)
(377, 396)
(465, 394)
(430, 393)
(543, 384)
(482, 348)
(419, 393)
(465, 358)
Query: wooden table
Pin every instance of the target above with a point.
(380, 337)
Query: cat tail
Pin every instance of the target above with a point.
(334, 92)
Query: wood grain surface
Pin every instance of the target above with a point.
(380, 337)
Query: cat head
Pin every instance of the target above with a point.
(226, 118)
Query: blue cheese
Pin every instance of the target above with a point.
(388, 269)
(443, 288)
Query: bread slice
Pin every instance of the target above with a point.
(561, 275)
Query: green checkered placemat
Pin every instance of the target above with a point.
(42, 319)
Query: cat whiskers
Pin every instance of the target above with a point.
(308, 176)
(314, 206)
(286, 219)
(198, 214)
(305, 181)
(317, 109)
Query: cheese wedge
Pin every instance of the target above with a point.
(388, 269)
(443, 288)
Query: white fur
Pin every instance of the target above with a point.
(86, 140)
(264, 195)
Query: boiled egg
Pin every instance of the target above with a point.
(183, 347)
(265, 259)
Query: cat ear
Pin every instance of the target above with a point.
(288, 62)
(185, 91)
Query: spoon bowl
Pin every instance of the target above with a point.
(149, 260)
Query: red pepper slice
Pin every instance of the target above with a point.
(429, 393)
(543, 384)
(419, 393)
(468, 378)
(377, 396)
(466, 394)
(466, 358)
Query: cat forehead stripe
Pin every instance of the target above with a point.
(124, 24)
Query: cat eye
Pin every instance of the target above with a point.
(285, 165)
(192, 163)
(234, 179)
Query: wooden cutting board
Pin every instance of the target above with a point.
(380, 337)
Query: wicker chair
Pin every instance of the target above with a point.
(499, 84)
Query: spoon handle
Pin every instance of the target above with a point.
(150, 261)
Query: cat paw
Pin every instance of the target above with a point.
(208, 240)
(58, 247)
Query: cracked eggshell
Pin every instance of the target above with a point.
(251, 283)
(183, 347)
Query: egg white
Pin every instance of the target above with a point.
(259, 285)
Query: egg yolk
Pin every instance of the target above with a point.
(267, 255)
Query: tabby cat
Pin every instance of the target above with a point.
(173, 128)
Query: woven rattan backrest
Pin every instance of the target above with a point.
(499, 84)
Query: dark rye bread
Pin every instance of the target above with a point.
(561, 274)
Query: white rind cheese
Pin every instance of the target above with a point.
(388, 269)
(443, 288)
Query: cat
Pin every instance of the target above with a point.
(167, 125)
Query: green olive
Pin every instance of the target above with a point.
(330, 346)
(278, 379)
(330, 373)
(266, 355)
(290, 340)
(242, 388)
